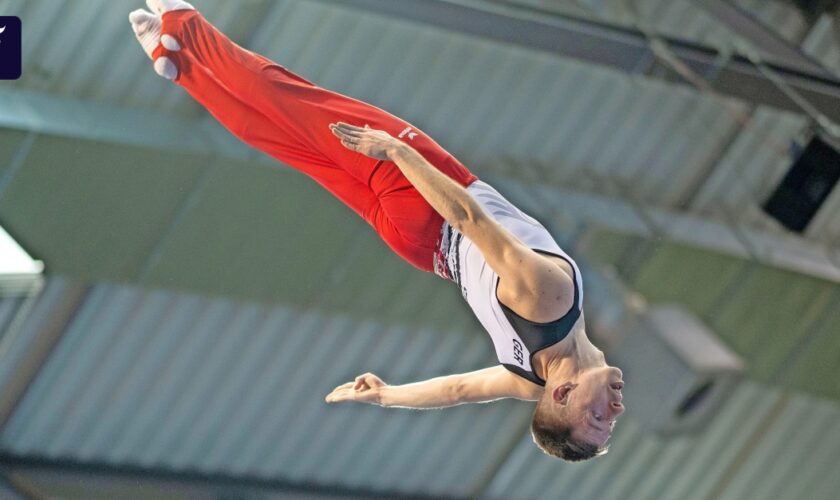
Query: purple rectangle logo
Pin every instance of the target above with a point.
(10, 48)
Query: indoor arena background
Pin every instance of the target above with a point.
(198, 301)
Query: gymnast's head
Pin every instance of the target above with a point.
(575, 418)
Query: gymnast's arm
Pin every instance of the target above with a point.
(530, 278)
(447, 197)
(481, 386)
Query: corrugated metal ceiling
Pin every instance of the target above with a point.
(189, 383)
(156, 379)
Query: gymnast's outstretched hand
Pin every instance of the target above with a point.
(366, 388)
(365, 140)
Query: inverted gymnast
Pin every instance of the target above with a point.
(434, 213)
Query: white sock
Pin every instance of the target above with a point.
(166, 68)
(146, 28)
(161, 6)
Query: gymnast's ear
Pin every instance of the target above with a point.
(560, 394)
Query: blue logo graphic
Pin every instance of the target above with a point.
(10, 48)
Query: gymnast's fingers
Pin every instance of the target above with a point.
(337, 131)
(347, 138)
(361, 383)
(345, 134)
(344, 386)
(338, 395)
(349, 127)
(352, 129)
(343, 392)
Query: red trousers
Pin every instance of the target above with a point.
(287, 117)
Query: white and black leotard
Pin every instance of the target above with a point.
(515, 338)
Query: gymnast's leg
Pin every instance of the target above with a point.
(249, 124)
(293, 103)
(295, 114)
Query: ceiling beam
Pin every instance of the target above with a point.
(41, 113)
(771, 45)
(617, 47)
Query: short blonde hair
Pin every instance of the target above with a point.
(552, 433)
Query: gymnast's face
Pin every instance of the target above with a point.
(594, 403)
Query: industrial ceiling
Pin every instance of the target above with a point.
(201, 300)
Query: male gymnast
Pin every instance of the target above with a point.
(427, 207)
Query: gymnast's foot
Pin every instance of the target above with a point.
(147, 27)
(161, 6)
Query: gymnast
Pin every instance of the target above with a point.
(428, 208)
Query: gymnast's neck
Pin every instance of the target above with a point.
(572, 356)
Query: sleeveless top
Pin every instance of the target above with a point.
(515, 338)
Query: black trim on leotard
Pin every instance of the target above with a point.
(539, 336)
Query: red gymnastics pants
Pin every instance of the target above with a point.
(287, 117)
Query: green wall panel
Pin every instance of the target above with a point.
(95, 211)
(373, 278)
(792, 320)
(764, 320)
(816, 367)
(260, 233)
(605, 247)
(10, 141)
(693, 277)
(426, 298)
(373, 282)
